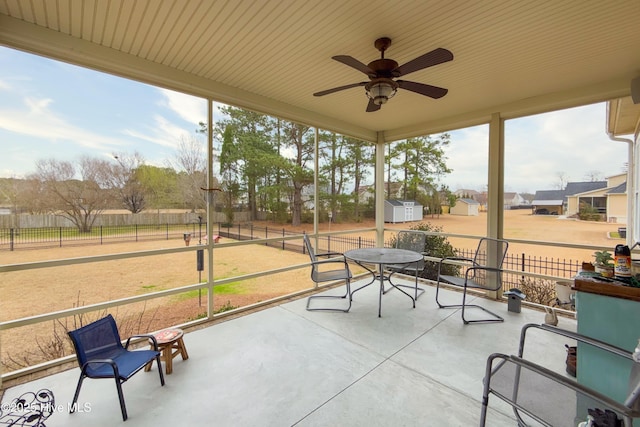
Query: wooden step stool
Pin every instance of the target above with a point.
(170, 344)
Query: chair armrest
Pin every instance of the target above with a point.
(455, 258)
(573, 335)
(482, 268)
(149, 336)
(534, 368)
(331, 261)
(329, 254)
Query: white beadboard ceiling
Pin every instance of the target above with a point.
(515, 57)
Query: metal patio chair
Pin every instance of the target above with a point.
(328, 270)
(479, 273)
(539, 395)
(412, 241)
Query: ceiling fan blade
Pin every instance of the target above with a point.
(423, 89)
(339, 88)
(435, 57)
(371, 106)
(354, 63)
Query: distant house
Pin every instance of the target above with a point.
(402, 211)
(466, 207)
(548, 202)
(512, 199)
(394, 190)
(608, 197)
(617, 203)
(466, 194)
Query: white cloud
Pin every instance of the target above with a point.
(537, 149)
(38, 120)
(163, 133)
(189, 108)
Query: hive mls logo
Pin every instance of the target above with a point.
(76, 407)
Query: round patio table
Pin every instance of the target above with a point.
(381, 257)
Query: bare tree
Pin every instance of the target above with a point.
(126, 182)
(562, 180)
(592, 176)
(191, 162)
(77, 192)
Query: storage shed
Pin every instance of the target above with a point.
(402, 211)
(466, 207)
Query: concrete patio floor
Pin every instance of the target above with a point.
(286, 366)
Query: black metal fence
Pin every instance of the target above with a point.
(38, 238)
(34, 238)
(558, 267)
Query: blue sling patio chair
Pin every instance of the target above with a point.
(100, 354)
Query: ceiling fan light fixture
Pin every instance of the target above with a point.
(381, 92)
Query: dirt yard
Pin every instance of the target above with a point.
(39, 291)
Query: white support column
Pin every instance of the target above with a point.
(379, 179)
(210, 208)
(495, 201)
(631, 193)
(316, 191)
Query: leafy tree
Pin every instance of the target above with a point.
(160, 186)
(230, 171)
(433, 203)
(436, 246)
(361, 156)
(337, 169)
(300, 144)
(420, 162)
(247, 155)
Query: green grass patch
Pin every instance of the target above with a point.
(187, 295)
(235, 288)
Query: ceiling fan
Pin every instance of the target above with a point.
(382, 73)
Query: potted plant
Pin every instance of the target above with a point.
(604, 263)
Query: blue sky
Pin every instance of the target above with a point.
(50, 109)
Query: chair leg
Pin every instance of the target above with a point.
(417, 290)
(440, 305)
(123, 407)
(494, 317)
(347, 294)
(76, 394)
(160, 369)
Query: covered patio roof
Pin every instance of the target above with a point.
(510, 57)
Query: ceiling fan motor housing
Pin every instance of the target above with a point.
(380, 90)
